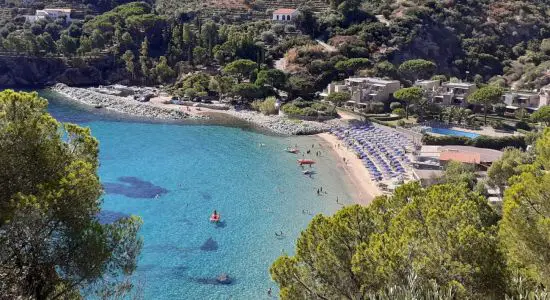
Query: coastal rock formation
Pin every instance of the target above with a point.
(122, 101)
(125, 105)
(24, 71)
(280, 124)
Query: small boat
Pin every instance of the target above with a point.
(292, 150)
(215, 217)
(308, 172)
(98, 106)
(306, 162)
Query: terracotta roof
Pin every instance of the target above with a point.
(282, 11)
(464, 157)
(485, 155)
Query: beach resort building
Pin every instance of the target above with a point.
(515, 100)
(365, 89)
(50, 13)
(429, 162)
(453, 93)
(284, 14)
(544, 96)
(428, 85)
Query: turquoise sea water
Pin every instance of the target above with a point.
(173, 176)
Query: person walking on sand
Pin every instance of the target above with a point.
(317, 192)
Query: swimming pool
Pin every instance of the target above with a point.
(446, 131)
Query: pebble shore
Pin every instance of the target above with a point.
(127, 105)
(280, 124)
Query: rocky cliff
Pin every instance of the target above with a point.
(20, 71)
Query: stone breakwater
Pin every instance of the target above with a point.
(125, 105)
(280, 124)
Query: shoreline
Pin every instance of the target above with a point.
(157, 109)
(118, 104)
(357, 176)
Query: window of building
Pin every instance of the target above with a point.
(277, 17)
(288, 17)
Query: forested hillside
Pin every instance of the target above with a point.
(504, 42)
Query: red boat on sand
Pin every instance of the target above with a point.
(306, 162)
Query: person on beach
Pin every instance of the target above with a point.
(337, 200)
(317, 192)
(269, 292)
(321, 189)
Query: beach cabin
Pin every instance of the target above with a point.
(284, 14)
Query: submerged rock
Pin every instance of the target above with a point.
(209, 245)
(223, 279)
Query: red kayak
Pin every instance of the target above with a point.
(215, 218)
(305, 162)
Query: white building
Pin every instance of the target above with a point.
(428, 85)
(454, 93)
(284, 14)
(364, 90)
(50, 13)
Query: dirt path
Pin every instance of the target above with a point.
(327, 47)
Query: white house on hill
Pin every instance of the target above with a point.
(50, 13)
(284, 14)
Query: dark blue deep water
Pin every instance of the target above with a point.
(173, 176)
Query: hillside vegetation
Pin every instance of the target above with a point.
(502, 42)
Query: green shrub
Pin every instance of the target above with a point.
(377, 107)
(255, 105)
(395, 105)
(387, 119)
(523, 125)
(497, 143)
(292, 110)
(444, 140)
(399, 112)
(309, 112)
(267, 107)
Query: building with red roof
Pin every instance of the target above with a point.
(284, 14)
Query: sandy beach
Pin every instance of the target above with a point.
(365, 189)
